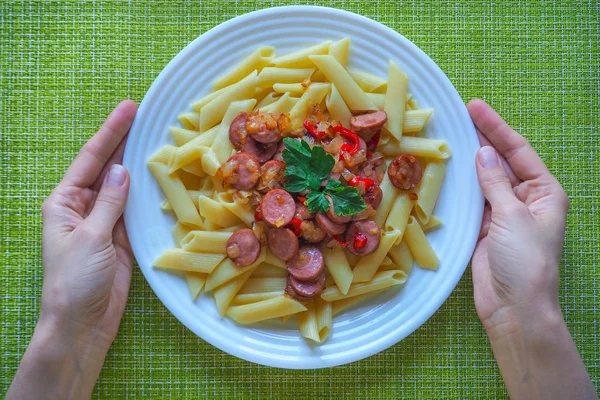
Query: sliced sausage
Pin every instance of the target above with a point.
(271, 176)
(308, 289)
(330, 227)
(307, 264)
(405, 171)
(363, 237)
(278, 208)
(367, 125)
(283, 243)
(289, 290)
(278, 154)
(311, 232)
(373, 196)
(237, 131)
(262, 152)
(302, 212)
(243, 247)
(241, 171)
(264, 128)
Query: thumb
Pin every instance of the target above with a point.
(493, 180)
(111, 200)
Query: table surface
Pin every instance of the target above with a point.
(65, 64)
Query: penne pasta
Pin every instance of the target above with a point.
(272, 75)
(195, 282)
(247, 298)
(368, 265)
(183, 260)
(258, 285)
(378, 99)
(179, 231)
(415, 120)
(366, 81)
(398, 216)
(381, 280)
(342, 305)
(268, 99)
(283, 105)
(429, 190)
(418, 147)
(294, 89)
(212, 113)
(190, 120)
(222, 147)
(266, 270)
(267, 309)
(224, 294)
(215, 212)
(163, 155)
(337, 107)
(395, 99)
(313, 95)
(256, 61)
(227, 270)
(338, 266)
(176, 194)
(299, 58)
(390, 193)
(182, 135)
(339, 50)
(308, 324)
(419, 246)
(401, 257)
(352, 94)
(324, 316)
(236, 208)
(433, 223)
(205, 242)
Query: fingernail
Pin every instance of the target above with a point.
(116, 175)
(488, 158)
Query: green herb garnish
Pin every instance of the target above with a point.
(305, 170)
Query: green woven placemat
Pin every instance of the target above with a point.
(65, 64)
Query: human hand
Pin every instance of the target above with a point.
(515, 264)
(87, 270)
(86, 254)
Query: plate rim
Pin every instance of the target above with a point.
(413, 323)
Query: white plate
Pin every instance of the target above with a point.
(387, 318)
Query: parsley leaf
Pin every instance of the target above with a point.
(346, 200)
(306, 167)
(317, 202)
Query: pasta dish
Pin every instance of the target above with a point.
(300, 187)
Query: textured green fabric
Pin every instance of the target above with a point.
(65, 64)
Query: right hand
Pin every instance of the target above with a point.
(515, 264)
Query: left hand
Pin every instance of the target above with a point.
(86, 253)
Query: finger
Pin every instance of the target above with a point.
(514, 180)
(111, 200)
(94, 155)
(116, 158)
(521, 157)
(120, 237)
(485, 222)
(492, 178)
